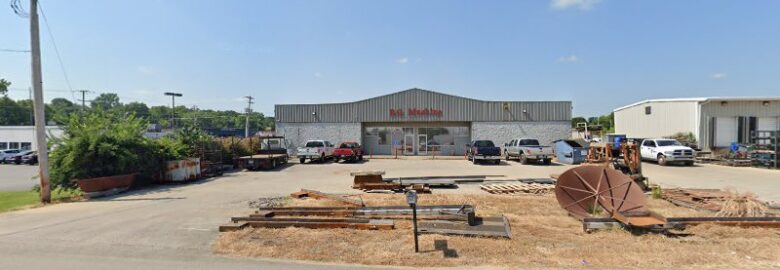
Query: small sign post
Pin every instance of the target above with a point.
(411, 198)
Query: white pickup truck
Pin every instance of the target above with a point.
(528, 150)
(666, 151)
(315, 150)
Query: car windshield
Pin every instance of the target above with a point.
(667, 142)
(483, 144)
(314, 144)
(529, 142)
(347, 145)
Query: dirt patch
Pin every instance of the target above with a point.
(544, 236)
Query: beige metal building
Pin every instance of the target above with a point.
(715, 122)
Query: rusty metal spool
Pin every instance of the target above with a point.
(593, 191)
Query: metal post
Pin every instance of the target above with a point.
(411, 199)
(40, 117)
(173, 107)
(248, 111)
(414, 221)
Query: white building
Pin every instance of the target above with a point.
(23, 137)
(715, 122)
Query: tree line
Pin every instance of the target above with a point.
(19, 113)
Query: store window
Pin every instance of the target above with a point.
(26, 145)
(3, 145)
(13, 145)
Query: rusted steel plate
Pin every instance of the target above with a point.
(487, 226)
(371, 225)
(592, 190)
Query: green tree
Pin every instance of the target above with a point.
(13, 114)
(138, 108)
(4, 86)
(106, 101)
(61, 109)
(576, 120)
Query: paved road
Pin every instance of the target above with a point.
(17, 177)
(173, 226)
(763, 182)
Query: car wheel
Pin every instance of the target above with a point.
(506, 155)
(497, 162)
(547, 161)
(337, 160)
(303, 160)
(474, 160)
(523, 159)
(662, 160)
(322, 158)
(689, 163)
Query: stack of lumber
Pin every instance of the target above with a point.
(700, 199)
(518, 188)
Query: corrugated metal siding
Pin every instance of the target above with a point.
(666, 118)
(454, 108)
(732, 109)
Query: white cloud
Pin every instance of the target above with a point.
(581, 4)
(718, 76)
(403, 60)
(568, 59)
(318, 74)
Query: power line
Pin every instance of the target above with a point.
(15, 51)
(56, 50)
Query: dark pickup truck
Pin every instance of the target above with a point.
(481, 150)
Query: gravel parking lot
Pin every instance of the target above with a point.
(173, 226)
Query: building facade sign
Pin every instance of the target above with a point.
(416, 112)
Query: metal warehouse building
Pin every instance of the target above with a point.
(417, 122)
(715, 121)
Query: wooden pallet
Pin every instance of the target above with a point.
(518, 188)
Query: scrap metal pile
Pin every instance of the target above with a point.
(518, 188)
(603, 198)
(438, 219)
(724, 203)
(372, 181)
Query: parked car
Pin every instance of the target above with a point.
(348, 151)
(528, 150)
(483, 150)
(320, 150)
(665, 151)
(30, 158)
(8, 153)
(17, 158)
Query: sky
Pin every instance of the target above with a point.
(598, 54)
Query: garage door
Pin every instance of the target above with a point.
(767, 123)
(725, 131)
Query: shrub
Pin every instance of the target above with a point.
(103, 144)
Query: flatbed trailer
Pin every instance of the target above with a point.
(272, 153)
(262, 161)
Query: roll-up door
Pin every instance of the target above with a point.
(725, 131)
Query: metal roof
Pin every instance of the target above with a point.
(398, 106)
(698, 99)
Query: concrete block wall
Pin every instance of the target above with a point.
(298, 133)
(503, 132)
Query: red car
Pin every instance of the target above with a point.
(348, 151)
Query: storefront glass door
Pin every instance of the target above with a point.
(422, 144)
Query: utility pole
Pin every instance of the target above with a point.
(248, 111)
(83, 99)
(173, 107)
(40, 121)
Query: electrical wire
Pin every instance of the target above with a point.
(57, 51)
